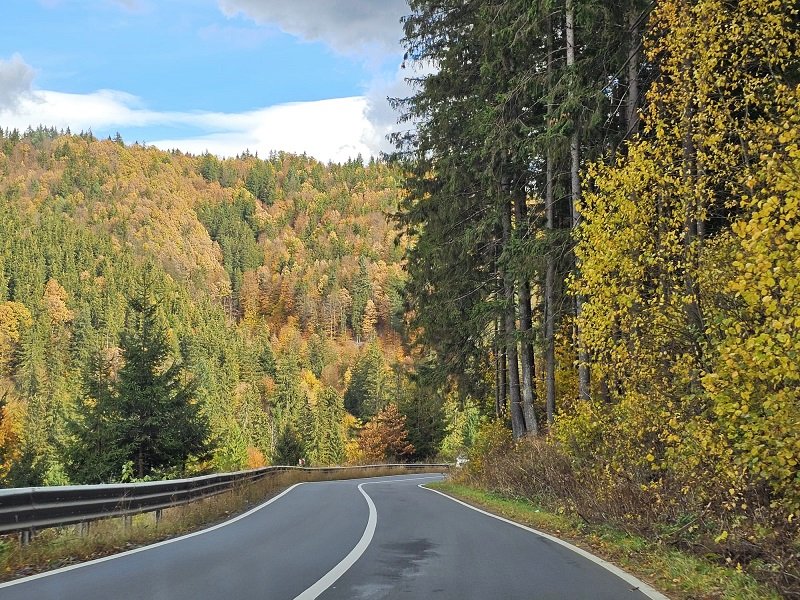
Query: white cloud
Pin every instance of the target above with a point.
(380, 113)
(16, 77)
(369, 30)
(329, 130)
(347, 26)
(334, 130)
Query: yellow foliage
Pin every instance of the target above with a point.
(55, 303)
(14, 319)
(690, 264)
(491, 437)
(755, 380)
(12, 420)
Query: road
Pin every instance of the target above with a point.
(376, 538)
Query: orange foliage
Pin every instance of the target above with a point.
(255, 458)
(385, 436)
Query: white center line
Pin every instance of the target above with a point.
(327, 580)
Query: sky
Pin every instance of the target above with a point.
(222, 76)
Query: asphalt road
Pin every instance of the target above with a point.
(373, 538)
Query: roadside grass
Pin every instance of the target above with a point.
(677, 574)
(62, 546)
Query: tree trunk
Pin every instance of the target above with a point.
(690, 235)
(550, 276)
(517, 417)
(503, 380)
(550, 304)
(575, 190)
(632, 104)
(526, 328)
(499, 388)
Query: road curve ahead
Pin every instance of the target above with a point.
(375, 538)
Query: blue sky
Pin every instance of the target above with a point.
(217, 75)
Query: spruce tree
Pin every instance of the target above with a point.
(288, 447)
(157, 424)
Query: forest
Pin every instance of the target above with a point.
(603, 203)
(164, 314)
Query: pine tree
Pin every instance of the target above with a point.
(329, 411)
(93, 456)
(368, 390)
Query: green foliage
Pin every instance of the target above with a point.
(329, 438)
(425, 420)
(256, 263)
(288, 448)
(260, 181)
(369, 390)
(149, 415)
(234, 227)
(462, 426)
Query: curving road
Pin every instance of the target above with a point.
(363, 538)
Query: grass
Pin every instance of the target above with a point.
(677, 574)
(58, 547)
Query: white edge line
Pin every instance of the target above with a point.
(149, 546)
(327, 580)
(643, 587)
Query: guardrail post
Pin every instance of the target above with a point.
(127, 521)
(26, 536)
(83, 528)
(158, 516)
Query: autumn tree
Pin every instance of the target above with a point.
(384, 437)
(700, 204)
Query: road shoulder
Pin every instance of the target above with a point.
(677, 574)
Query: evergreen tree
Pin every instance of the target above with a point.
(368, 391)
(329, 411)
(157, 424)
(93, 456)
(288, 447)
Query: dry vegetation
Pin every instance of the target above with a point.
(751, 540)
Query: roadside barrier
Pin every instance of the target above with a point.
(26, 510)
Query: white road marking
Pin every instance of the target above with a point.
(643, 587)
(151, 546)
(327, 580)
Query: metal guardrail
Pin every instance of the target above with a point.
(29, 509)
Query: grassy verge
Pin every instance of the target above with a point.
(675, 573)
(62, 546)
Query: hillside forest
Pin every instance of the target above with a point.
(163, 314)
(580, 267)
